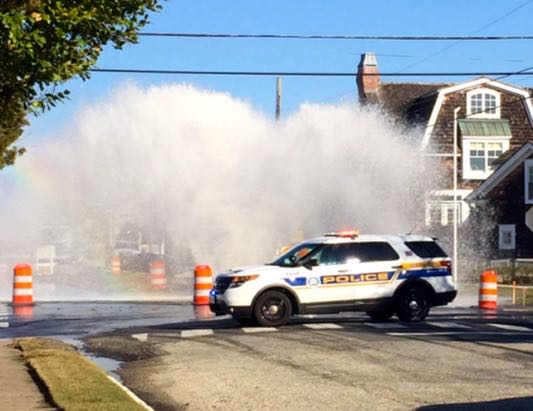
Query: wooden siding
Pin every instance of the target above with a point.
(511, 108)
(507, 200)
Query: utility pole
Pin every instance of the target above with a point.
(278, 98)
(455, 203)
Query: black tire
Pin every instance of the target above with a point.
(413, 303)
(381, 314)
(272, 308)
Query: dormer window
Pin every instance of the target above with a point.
(483, 141)
(483, 103)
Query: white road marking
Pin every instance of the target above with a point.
(445, 324)
(140, 337)
(452, 333)
(195, 333)
(258, 329)
(386, 325)
(512, 327)
(324, 326)
(4, 325)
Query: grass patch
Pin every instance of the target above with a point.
(72, 381)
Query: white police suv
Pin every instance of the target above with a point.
(380, 274)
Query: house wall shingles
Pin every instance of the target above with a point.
(511, 108)
(508, 198)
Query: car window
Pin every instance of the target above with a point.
(364, 252)
(376, 251)
(426, 249)
(336, 254)
(295, 254)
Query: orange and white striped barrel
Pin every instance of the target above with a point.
(488, 290)
(115, 264)
(158, 275)
(203, 282)
(22, 285)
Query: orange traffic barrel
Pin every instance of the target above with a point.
(202, 312)
(203, 282)
(488, 290)
(158, 276)
(115, 264)
(22, 285)
(23, 311)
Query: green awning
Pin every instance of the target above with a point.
(484, 127)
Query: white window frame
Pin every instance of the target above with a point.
(483, 113)
(468, 173)
(506, 229)
(528, 199)
(443, 208)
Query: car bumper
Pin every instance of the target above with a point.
(218, 306)
(444, 298)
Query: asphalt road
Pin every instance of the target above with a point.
(460, 358)
(174, 358)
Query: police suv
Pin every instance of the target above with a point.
(382, 275)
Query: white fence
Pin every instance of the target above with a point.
(515, 287)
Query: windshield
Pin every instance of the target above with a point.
(296, 255)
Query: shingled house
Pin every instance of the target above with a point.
(505, 200)
(493, 120)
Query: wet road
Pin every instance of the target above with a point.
(461, 358)
(78, 319)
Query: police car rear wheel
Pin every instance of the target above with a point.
(412, 304)
(382, 314)
(272, 308)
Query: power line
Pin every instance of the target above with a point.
(309, 73)
(332, 37)
(424, 59)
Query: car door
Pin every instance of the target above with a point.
(334, 274)
(377, 265)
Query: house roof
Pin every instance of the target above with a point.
(409, 101)
(506, 168)
(521, 92)
(474, 127)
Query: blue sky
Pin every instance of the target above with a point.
(342, 17)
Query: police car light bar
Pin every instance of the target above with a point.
(344, 234)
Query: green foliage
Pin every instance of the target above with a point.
(44, 43)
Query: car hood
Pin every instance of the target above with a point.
(251, 269)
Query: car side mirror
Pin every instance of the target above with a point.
(313, 262)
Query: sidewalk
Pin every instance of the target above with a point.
(19, 392)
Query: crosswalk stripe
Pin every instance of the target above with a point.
(511, 327)
(386, 325)
(258, 329)
(140, 337)
(195, 333)
(4, 324)
(445, 324)
(324, 326)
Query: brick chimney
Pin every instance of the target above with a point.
(368, 86)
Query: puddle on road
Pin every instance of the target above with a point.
(109, 365)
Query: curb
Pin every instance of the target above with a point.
(131, 394)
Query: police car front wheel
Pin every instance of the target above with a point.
(413, 303)
(272, 308)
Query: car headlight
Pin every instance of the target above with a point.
(239, 280)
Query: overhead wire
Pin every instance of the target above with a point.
(309, 73)
(424, 59)
(334, 36)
